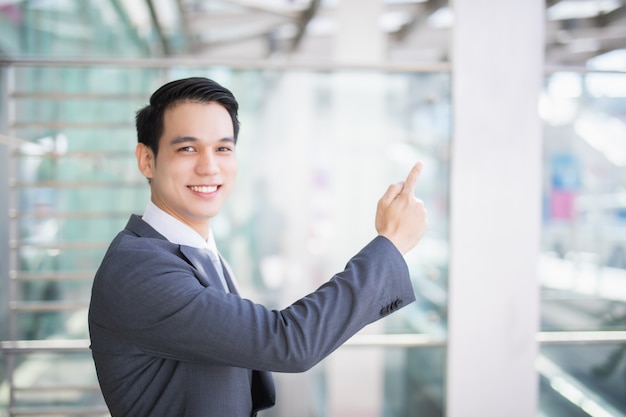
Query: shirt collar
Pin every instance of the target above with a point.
(176, 231)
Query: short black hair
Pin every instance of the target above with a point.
(149, 120)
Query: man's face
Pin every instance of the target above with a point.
(196, 166)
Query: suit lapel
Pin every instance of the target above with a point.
(200, 260)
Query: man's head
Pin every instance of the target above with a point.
(186, 149)
(149, 120)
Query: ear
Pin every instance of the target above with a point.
(145, 160)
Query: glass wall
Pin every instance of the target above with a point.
(583, 262)
(316, 151)
(73, 29)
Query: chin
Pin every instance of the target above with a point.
(207, 215)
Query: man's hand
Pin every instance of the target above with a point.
(400, 217)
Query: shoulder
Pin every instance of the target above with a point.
(140, 236)
(139, 247)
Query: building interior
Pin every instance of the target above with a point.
(517, 109)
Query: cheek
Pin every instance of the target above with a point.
(174, 170)
(232, 168)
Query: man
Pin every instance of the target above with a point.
(170, 335)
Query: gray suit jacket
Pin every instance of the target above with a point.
(167, 340)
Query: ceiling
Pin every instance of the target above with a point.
(414, 31)
(589, 33)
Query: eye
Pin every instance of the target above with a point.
(225, 149)
(187, 149)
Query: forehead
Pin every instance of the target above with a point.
(193, 108)
(190, 117)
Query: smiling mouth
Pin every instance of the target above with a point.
(205, 189)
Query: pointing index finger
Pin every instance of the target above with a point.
(411, 179)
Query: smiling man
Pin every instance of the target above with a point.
(170, 333)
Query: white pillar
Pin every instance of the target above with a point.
(359, 38)
(497, 66)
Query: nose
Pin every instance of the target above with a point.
(207, 164)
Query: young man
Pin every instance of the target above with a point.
(170, 335)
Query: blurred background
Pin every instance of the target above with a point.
(337, 100)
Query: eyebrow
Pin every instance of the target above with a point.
(183, 139)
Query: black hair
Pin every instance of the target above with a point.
(149, 120)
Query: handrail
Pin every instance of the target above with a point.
(51, 388)
(76, 184)
(576, 337)
(50, 345)
(74, 215)
(265, 64)
(82, 411)
(46, 306)
(395, 340)
(77, 96)
(52, 275)
(79, 245)
(359, 340)
(71, 125)
(238, 64)
(75, 154)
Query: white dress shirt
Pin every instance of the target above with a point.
(179, 233)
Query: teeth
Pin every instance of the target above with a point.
(204, 188)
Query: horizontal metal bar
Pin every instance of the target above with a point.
(51, 345)
(549, 69)
(57, 125)
(76, 184)
(82, 245)
(75, 215)
(394, 340)
(365, 340)
(75, 154)
(56, 95)
(252, 64)
(17, 153)
(237, 64)
(52, 276)
(581, 337)
(50, 411)
(544, 338)
(55, 388)
(46, 307)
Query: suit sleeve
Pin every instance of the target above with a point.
(152, 300)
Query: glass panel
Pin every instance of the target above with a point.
(583, 261)
(364, 381)
(72, 29)
(583, 380)
(316, 152)
(47, 382)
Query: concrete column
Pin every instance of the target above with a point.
(359, 38)
(497, 66)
